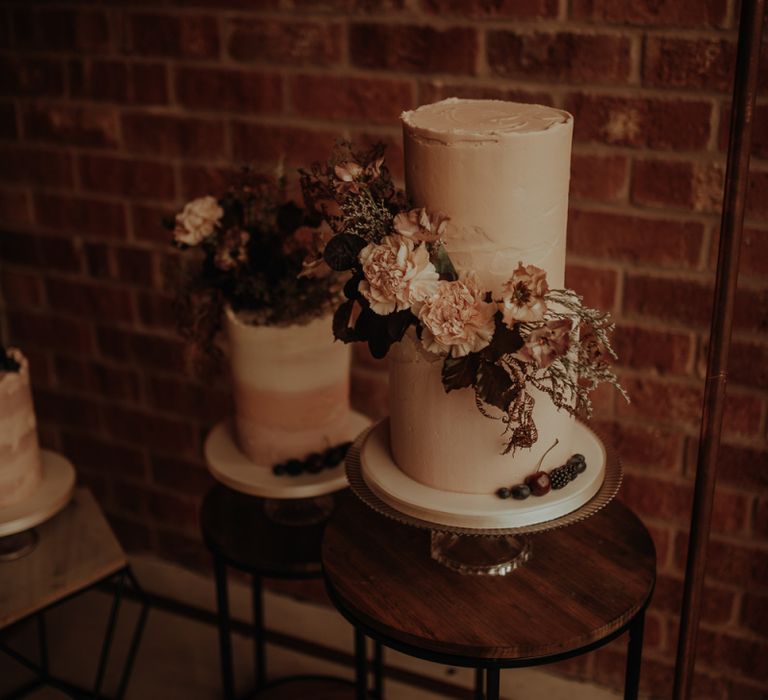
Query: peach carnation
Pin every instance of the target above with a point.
(398, 274)
(544, 345)
(456, 319)
(522, 296)
(197, 220)
(420, 224)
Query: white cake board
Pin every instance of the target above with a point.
(51, 495)
(229, 465)
(477, 511)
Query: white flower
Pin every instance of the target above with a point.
(197, 220)
(398, 274)
(522, 296)
(456, 319)
(420, 224)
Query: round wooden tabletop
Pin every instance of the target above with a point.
(237, 528)
(583, 584)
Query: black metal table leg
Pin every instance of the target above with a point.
(225, 639)
(479, 684)
(136, 640)
(42, 640)
(492, 678)
(106, 645)
(361, 666)
(378, 671)
(259, 659)
(634, 657)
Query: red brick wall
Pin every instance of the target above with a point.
(112, 114)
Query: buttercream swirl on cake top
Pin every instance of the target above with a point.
(455, 119)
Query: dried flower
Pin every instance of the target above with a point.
(231, 251)
(547, 343)
(348, 175)
(457, 320)
(420, 224)
(197, 220)
(398, 274)
(523, 295)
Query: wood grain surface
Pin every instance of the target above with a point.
(75, 549)
(236, 528)
(582, 583)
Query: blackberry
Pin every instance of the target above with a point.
(521, 492)
(294, 467)
(559, 477)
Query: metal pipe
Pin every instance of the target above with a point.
(736, 183)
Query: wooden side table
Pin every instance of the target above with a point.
(240, 533)
(583, 586)
(76, 551)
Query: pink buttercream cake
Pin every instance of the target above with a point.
(20, 463)
(291, 389)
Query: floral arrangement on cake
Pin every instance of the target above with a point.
(247, 250)
(401, 277)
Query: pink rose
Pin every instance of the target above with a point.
(544, 345)
(398, 274)
(197, 220)
(420, 224)
(522, 296)
(456, 319)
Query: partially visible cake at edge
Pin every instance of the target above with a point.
(500, 171)
(291, 389)
(20, 462)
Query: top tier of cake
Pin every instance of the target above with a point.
(500, 170)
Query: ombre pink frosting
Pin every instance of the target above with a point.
(291, 389)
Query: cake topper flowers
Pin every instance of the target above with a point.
(247, 249)
(527, 336)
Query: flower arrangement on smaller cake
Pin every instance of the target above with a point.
(401, 276)
(247, 250)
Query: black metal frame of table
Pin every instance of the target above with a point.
(487, 671)
(221, 561)
(42, 669)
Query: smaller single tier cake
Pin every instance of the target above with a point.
(20, 464)
(291, 389)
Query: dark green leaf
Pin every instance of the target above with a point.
(341, 328)
(494, 385)
(342, 251)
(505, 340)
(460, 372)
(350, 288)
(397, 324)
(444, 266)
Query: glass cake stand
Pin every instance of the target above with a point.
(481, 551)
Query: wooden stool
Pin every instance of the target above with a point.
(239, 532)
(75, 552)
(584, 585)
